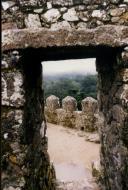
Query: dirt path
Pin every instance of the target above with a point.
(64, 145)
(72, 157)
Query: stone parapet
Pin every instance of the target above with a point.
(69, 116)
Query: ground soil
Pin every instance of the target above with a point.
(72, 156)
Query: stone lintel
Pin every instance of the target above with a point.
(107, 35)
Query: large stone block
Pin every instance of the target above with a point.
(71, 15)
(32, 21)
(108, 35)
(51, 16)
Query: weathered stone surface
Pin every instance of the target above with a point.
(98, 13)
(81, 25)
(69, 10)
(49, 5)
(66, 119)
(105, 35)
(27, 4)
(10, 25)
(69, 104)
(115, 1)
(51, 16)
(16, 153)
(74, 2)
(93, 138)
(51, 115)
(38, 10)
(122, 94)
(12, 188)
(12, 92)
(63, 9)
(32, 21)
(83, 16)
(96, 169)
(62, 2)
(79, 124)
(125, 1)
(113, 132)
(117, 12)
(4, 64)
(70, 15)
(12, 151)
(89, 105)
(87, 119)
(115, 19)
(86, 122)
(52, 103)
(125, 75)
(60, 25)
(6, 5)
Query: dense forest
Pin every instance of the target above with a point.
(78, 86)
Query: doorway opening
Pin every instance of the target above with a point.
(106, 62)
(70, 94)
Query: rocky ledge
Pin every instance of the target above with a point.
(110, 35)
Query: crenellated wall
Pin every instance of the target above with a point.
(69, 116)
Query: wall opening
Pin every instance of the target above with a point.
(67, 123)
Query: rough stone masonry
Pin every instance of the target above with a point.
(30, 31)
(69, 116)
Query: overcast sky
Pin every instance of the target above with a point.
(83, 66)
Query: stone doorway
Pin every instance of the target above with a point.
(112, 91)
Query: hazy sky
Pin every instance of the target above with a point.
(86, 66)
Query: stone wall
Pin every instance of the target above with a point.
(69, 116)
(113, 106)
(19, 130)
(12, 116)
(56, 14)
